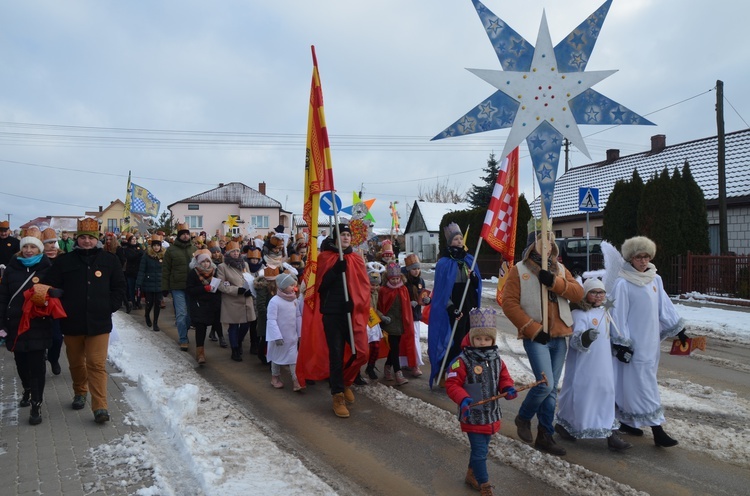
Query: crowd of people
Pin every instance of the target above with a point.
(250, 293)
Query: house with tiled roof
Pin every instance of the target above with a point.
(253, 212)
(422, 232)
(700, 154)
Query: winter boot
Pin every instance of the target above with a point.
(486, 489)
(523, 427)
(416, 372)
(370, 371)
(56, 369)
(339, 406)
(545, 442)
(615, 443)
(148, 316)
(212, 336)
(661, 438)
(25, 398)
(101, 416)
(360, 381)
(400, 379)
(157, 310)
(388, 374)
(633, 431)
(222, 342)
(276, 381)
(470, 480)
(200, 354)
(35, 418)
(349, 395)
(563, 432)
(79, 402)
(128, 307)
(236, 355)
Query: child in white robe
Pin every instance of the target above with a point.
(586, 405)
(283, 329)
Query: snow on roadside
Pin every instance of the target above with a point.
(218, 447)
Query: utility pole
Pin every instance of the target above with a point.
(720, 159)
(567, 149)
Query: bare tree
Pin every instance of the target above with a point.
(440, 192)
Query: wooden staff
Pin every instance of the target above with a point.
(543, 380)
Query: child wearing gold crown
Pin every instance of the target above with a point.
(478, 375)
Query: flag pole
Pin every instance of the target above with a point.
(343, 278)
(463, 299)
(545, 254)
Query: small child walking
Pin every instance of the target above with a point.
(394, 303)
(283, 327)
(479, 374)
(588, 390)
(374, 332)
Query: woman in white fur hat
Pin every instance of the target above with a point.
(645, 316)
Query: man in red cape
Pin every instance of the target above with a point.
(325, 346)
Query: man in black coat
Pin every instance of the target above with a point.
(93, 287)
(9, 245)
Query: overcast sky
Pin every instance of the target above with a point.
(187, 94)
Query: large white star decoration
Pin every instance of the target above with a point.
(543, 93)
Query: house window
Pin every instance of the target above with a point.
(558, 233)
(599, 230)
(192, 206)
(194, 221)
(259, 221)
(578, 231)
(113, 225)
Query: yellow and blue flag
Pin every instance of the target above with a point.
(143, 202)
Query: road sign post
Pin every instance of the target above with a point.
(588, 201)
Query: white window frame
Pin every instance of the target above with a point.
(194, 221)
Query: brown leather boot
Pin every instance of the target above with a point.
(545, 442)
(470, 480)
(339, 406)
(486, 489)
(349, 395)
(200, 355)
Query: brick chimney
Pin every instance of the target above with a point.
(613, 154)
(262, 188)
(658, 143)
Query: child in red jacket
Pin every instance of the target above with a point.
(478, 374)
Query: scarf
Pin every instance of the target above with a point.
(255, 267)
(155, 255)
(205, 275)
(396, 286)
(30, 261)
(235, 263)
(631, 275)
(286, 296)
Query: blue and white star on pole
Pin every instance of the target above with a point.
(543, 93)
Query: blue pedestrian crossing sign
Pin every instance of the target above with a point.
(588, 199)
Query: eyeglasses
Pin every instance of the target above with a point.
(642, 257)
(598, 293)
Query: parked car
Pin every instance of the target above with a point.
(573, 254)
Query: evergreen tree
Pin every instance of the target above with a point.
(165, 223)
(658, 219)
(621, 211)
(522, 229)
(695, 231)
(479, 195)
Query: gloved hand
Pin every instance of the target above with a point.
(622, 352)
(55, 293)
(426, 300)
(165, 293)
(279, 342)
(386, 320)
(546, 278)
(588, 336)
(414, 304)
(340, 266)
(240, 291)
(680, 335)
(3, 333)
(207, 287)
(542, 337)
(453, 311)
(465, 408)
(511, 393)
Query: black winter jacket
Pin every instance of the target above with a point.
(94, 287)
(132, 256)
(205, 307)
(149, 272)
(39, 335)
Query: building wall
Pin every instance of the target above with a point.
(738, 230)
(214, 216)
(113, 213)
(423, 243)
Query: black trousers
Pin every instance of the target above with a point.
(336, 328)
(32, 369)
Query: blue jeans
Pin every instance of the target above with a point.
(182, 319)
(541, 400)
(480, 444)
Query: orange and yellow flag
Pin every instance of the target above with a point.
(318, 176)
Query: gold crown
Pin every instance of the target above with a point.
(87, 225)
(182, 227)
